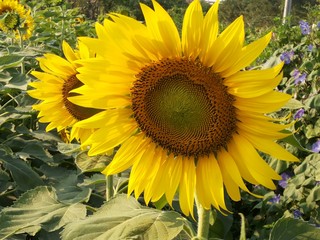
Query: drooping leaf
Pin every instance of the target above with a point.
(10, 61)
(23, 174)
(125, 218)
(293, 229)
(92, 164)
(36, 209)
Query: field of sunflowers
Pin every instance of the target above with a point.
(174, 127)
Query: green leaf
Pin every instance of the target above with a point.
(36, 209)
(314, 102)
(125, 218)
(92, 164)
(22, 173)
(314, 195)
(293, 229)
(10, 61)
(294, 104)
(36, 150)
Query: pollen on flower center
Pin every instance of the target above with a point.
(78, 112)
(183, 106)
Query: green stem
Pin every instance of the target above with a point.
(109, 187)
(23, 69)
(203, 223)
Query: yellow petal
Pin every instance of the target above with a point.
(174, 174)
(116, 134)
(210, 32)
(227, 47)
(269, 147)
(254, 89)
(187, 186)
(248, 54)
(247, 157)
(266, 103)
(192, 30)
(126, 154)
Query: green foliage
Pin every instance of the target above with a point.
(292, 229)
(132, 221)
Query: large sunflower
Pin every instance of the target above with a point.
(188, 116)
(57, 81)
(15, 17)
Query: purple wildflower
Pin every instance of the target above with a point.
(304, 27)
(298, 114)
(299, 77)
(275, 199)
(310, 48)
(297, 214)
(318, 25)
(287, 57)
(316, 147)
(284, 181)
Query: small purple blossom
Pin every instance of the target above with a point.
(310, 48)
(318, 25)
(304, 27)
(284, 181)
(298, 77)
(275, 199)
(299, 114)
(297, 214)
(316, 147)
(287, 57)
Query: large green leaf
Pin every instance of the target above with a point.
(10, 61)
(125, 218)
(293, 229)
(22, 173)
(36, 209)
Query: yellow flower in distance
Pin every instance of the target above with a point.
(187, 115)
(55, 85)
(15, 17)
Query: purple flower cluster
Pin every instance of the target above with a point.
(316, 147)
(287, 57)
(284, 181)
(299, 114)
(297, 214)
(304, 27)
(275, 199)
(298, 76)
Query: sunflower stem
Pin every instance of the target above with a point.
(203, 222)
(23, 69)
(109, 187)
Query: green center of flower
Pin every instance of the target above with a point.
(184, 107)
(78, 112)
(11, 21)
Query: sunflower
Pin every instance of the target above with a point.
(187, 115)
(58, 79)
(15, 17)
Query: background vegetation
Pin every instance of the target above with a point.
(50, 189)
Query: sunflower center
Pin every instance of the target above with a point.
(183, 106)
(78, 112)
(12, 21)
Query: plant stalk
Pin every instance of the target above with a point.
(109, 187)
(203, 223)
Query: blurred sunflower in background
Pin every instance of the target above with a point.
(188, 116)
(55, 85)
(14, 17)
